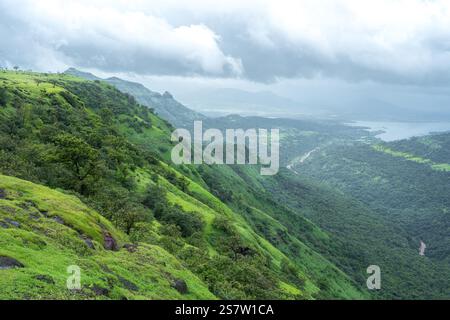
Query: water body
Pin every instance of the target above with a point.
(402, 130)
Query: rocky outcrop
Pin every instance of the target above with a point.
(45, 278)
(128, 284)
(99, 291)
(9, 263)
(180, 286)
(109, 242)
(88, 241)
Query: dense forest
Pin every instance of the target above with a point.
(405, 184)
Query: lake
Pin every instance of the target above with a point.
(402, 130)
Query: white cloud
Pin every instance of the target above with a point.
(394, 35)
(403, 41)
(113, 37)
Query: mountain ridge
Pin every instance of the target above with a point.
(164, 104)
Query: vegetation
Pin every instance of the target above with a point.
(402, 188)
(48, 231)
(96, 144)
(86, 179)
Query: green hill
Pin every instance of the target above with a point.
(46, 231)
(164, 104)
(214, 228)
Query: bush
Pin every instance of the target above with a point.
(189, 223)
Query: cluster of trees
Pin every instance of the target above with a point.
(216, 186)
(188, 223)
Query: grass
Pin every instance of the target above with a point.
(47, 247)
(414, 158)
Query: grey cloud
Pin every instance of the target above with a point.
(35, 35)
(261, 41)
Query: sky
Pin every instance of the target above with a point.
(352, 50)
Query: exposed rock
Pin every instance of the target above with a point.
(2, 194)
(4, 225)
(99, 291)
(34, 215)
(9, 263)
(58, 219)
(44, 213)
(180, 286)
(128, 284)
(110, 242)
(88, 241)
(45, 278)
(8, 223)
(130, 247)
(13, 223)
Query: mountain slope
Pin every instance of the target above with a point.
(404, 186)
(353, 234)
(164, 104)
(46, 231)
(89, 139)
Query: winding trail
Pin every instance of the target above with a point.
(422, 248)
(300, 160)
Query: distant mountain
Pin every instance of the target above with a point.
(164, 104)
(229, 100)
(373, 109)
(81, 74)
(315, 105)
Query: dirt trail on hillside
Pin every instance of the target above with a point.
(300, 160)
(422, 248)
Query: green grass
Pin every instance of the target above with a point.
(414, 158)
(47, 248)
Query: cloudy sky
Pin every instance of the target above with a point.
(299, 48)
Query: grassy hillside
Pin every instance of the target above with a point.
(164, 104)
(47, 231)
(98, 144)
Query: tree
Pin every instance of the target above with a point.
(188, 223)
(79, 156)
(127, 216)
(107, 115)
(16, 68)
(53, 82)
(3, 96)
(38, 81)
(155, 198)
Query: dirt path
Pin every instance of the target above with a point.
(422, 248)
(300, 160)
